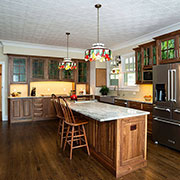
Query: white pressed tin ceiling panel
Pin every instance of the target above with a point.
(47, 21)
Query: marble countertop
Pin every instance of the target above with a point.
(134, 99)
(104, 112)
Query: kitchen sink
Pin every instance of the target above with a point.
(107, 99)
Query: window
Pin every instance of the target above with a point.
(123, 76)
(128, 71)
(114, 74)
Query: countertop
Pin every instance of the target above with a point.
(104, 112)
(134, 99)
(10, 97)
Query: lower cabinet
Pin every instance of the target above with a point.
(20, 109)
(30, 109)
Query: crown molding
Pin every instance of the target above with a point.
(39, 46)
(147, 37)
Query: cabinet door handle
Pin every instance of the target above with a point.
(168, 122)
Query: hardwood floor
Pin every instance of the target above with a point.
(28, 151)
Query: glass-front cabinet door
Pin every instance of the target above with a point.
(138, 65)
(18, 70)
(168, 49)
(82, 72)
(67, 75)
(53, 71)
(37, 68)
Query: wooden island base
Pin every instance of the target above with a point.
(119, 145)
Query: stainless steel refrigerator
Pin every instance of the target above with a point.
(166, 109)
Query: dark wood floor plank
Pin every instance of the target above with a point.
(30, 151)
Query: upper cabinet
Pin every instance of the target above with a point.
(148, 53)
(53, 71)
(83, 72)
(138, 65)
(67, 75)
(168, 47)
(38, 68)
(18, 69)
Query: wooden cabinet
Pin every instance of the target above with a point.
(148, 52)
(20, 109)
(48, 108)
(53, 70)
(149, 108)
(135, 105)
(121, 102)
(38, 67)
(68, 75)
(82, 72)
(133, 140)
(29, 109)
(18, 69)
(138, 60)
(168, 47)
(101, 77)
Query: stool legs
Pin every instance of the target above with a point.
(72, 140)
(86, 139)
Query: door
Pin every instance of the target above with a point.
(161, 85)
(162, 91)
(175, 92)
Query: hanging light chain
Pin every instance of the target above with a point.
(98, 6)
(67, 44)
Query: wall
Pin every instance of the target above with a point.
(0, 88)
(4, 59)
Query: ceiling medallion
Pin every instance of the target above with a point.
(98, 52)
(67, 63)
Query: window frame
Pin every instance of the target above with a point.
(121, 85)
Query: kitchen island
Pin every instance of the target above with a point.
(117, 136)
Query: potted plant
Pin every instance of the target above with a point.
(104, 90)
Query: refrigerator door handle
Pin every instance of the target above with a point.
(169, 72)
(174, 84)
(176, 111)
(168, 122)
(163, 109)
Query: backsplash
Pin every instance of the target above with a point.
(144, 90)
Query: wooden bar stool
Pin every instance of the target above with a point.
(75, 128)
(62, 128)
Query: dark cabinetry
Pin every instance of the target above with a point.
(82, 72)
(38, 68)
(53, 71)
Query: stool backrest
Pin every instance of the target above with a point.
(57, 106)
(68, 114)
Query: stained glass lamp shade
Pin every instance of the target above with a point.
(98, 52)
(67, 63)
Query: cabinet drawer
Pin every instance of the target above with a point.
(38, 109)
(121, 103)
(135, 105)
(148, 107)
(38, 101)
(38, 114)
(38, 106)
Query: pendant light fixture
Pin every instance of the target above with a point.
(98, 52)
(67, 63)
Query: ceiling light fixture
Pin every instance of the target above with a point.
(98, 51)
(67, 63)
